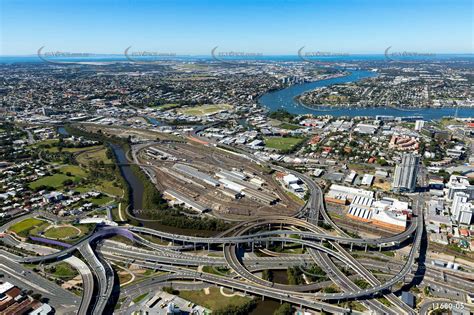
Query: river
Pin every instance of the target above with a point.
(134, 183)
(285, 99)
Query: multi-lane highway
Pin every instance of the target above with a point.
(323, 249)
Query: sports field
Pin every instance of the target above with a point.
(282, 143)
(203, 110)
(25, 225)
(62, 232)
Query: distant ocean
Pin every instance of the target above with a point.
(275, 58)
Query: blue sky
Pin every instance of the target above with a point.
(267, 27)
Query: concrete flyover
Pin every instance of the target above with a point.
(339, 278)
(104, 276)
(381, 242)
(321, 248)
(179, 273)
(234, 262)
(251, 239)
(101, 269)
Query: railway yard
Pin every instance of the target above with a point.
(209, 179)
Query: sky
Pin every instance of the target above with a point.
(268, 27)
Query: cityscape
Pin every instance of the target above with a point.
(205, 176)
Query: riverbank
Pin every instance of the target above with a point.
(287, 99)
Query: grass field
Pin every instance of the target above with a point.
(101, 200)
(282, 143)
(167, 106)
(109, 188)
(26, 225)
(214, 300)
(54, 181)
(124, 277)
(38, 229)
(295, 198)
(63, 270)
(74, 170)
(204, 109)
(289, 126)
(220, 271)
(86, 158)
(139, 298)
(43, 143)
(71, 150)
(62, 232)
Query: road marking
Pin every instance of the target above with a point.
(22, 278)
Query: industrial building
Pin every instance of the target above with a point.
(181, 177)
(158, 154)
(177, 198)
(231, 185)
(195, 173)
(291, 179)
(231, 175)
(244, 188)
(388, 213)
(350, 178)
(367, 180)
(257, 181)
(342, 194)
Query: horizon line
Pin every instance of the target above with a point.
(254, 56)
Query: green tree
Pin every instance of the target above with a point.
(284, 309)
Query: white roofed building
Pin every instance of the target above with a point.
(388, 212)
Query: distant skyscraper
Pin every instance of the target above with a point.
(405, 173)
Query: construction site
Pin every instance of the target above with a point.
(212, 180)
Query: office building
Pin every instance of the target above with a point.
(462, 209)
(459, 184)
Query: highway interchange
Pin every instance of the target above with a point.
(328, 250)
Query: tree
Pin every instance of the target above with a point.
(170, 290)
(267, 275)
(284, 309)
(68, 182)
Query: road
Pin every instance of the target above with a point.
(323, 248)
(64, 301)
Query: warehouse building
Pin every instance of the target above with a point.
(158, 154)
(367, 180)
(249, 192)
(388, 213)
(195, 173)
(296, 188)
(291, 179)
(342, 194)
(179, 199)
(350, 177)
(231, 185)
